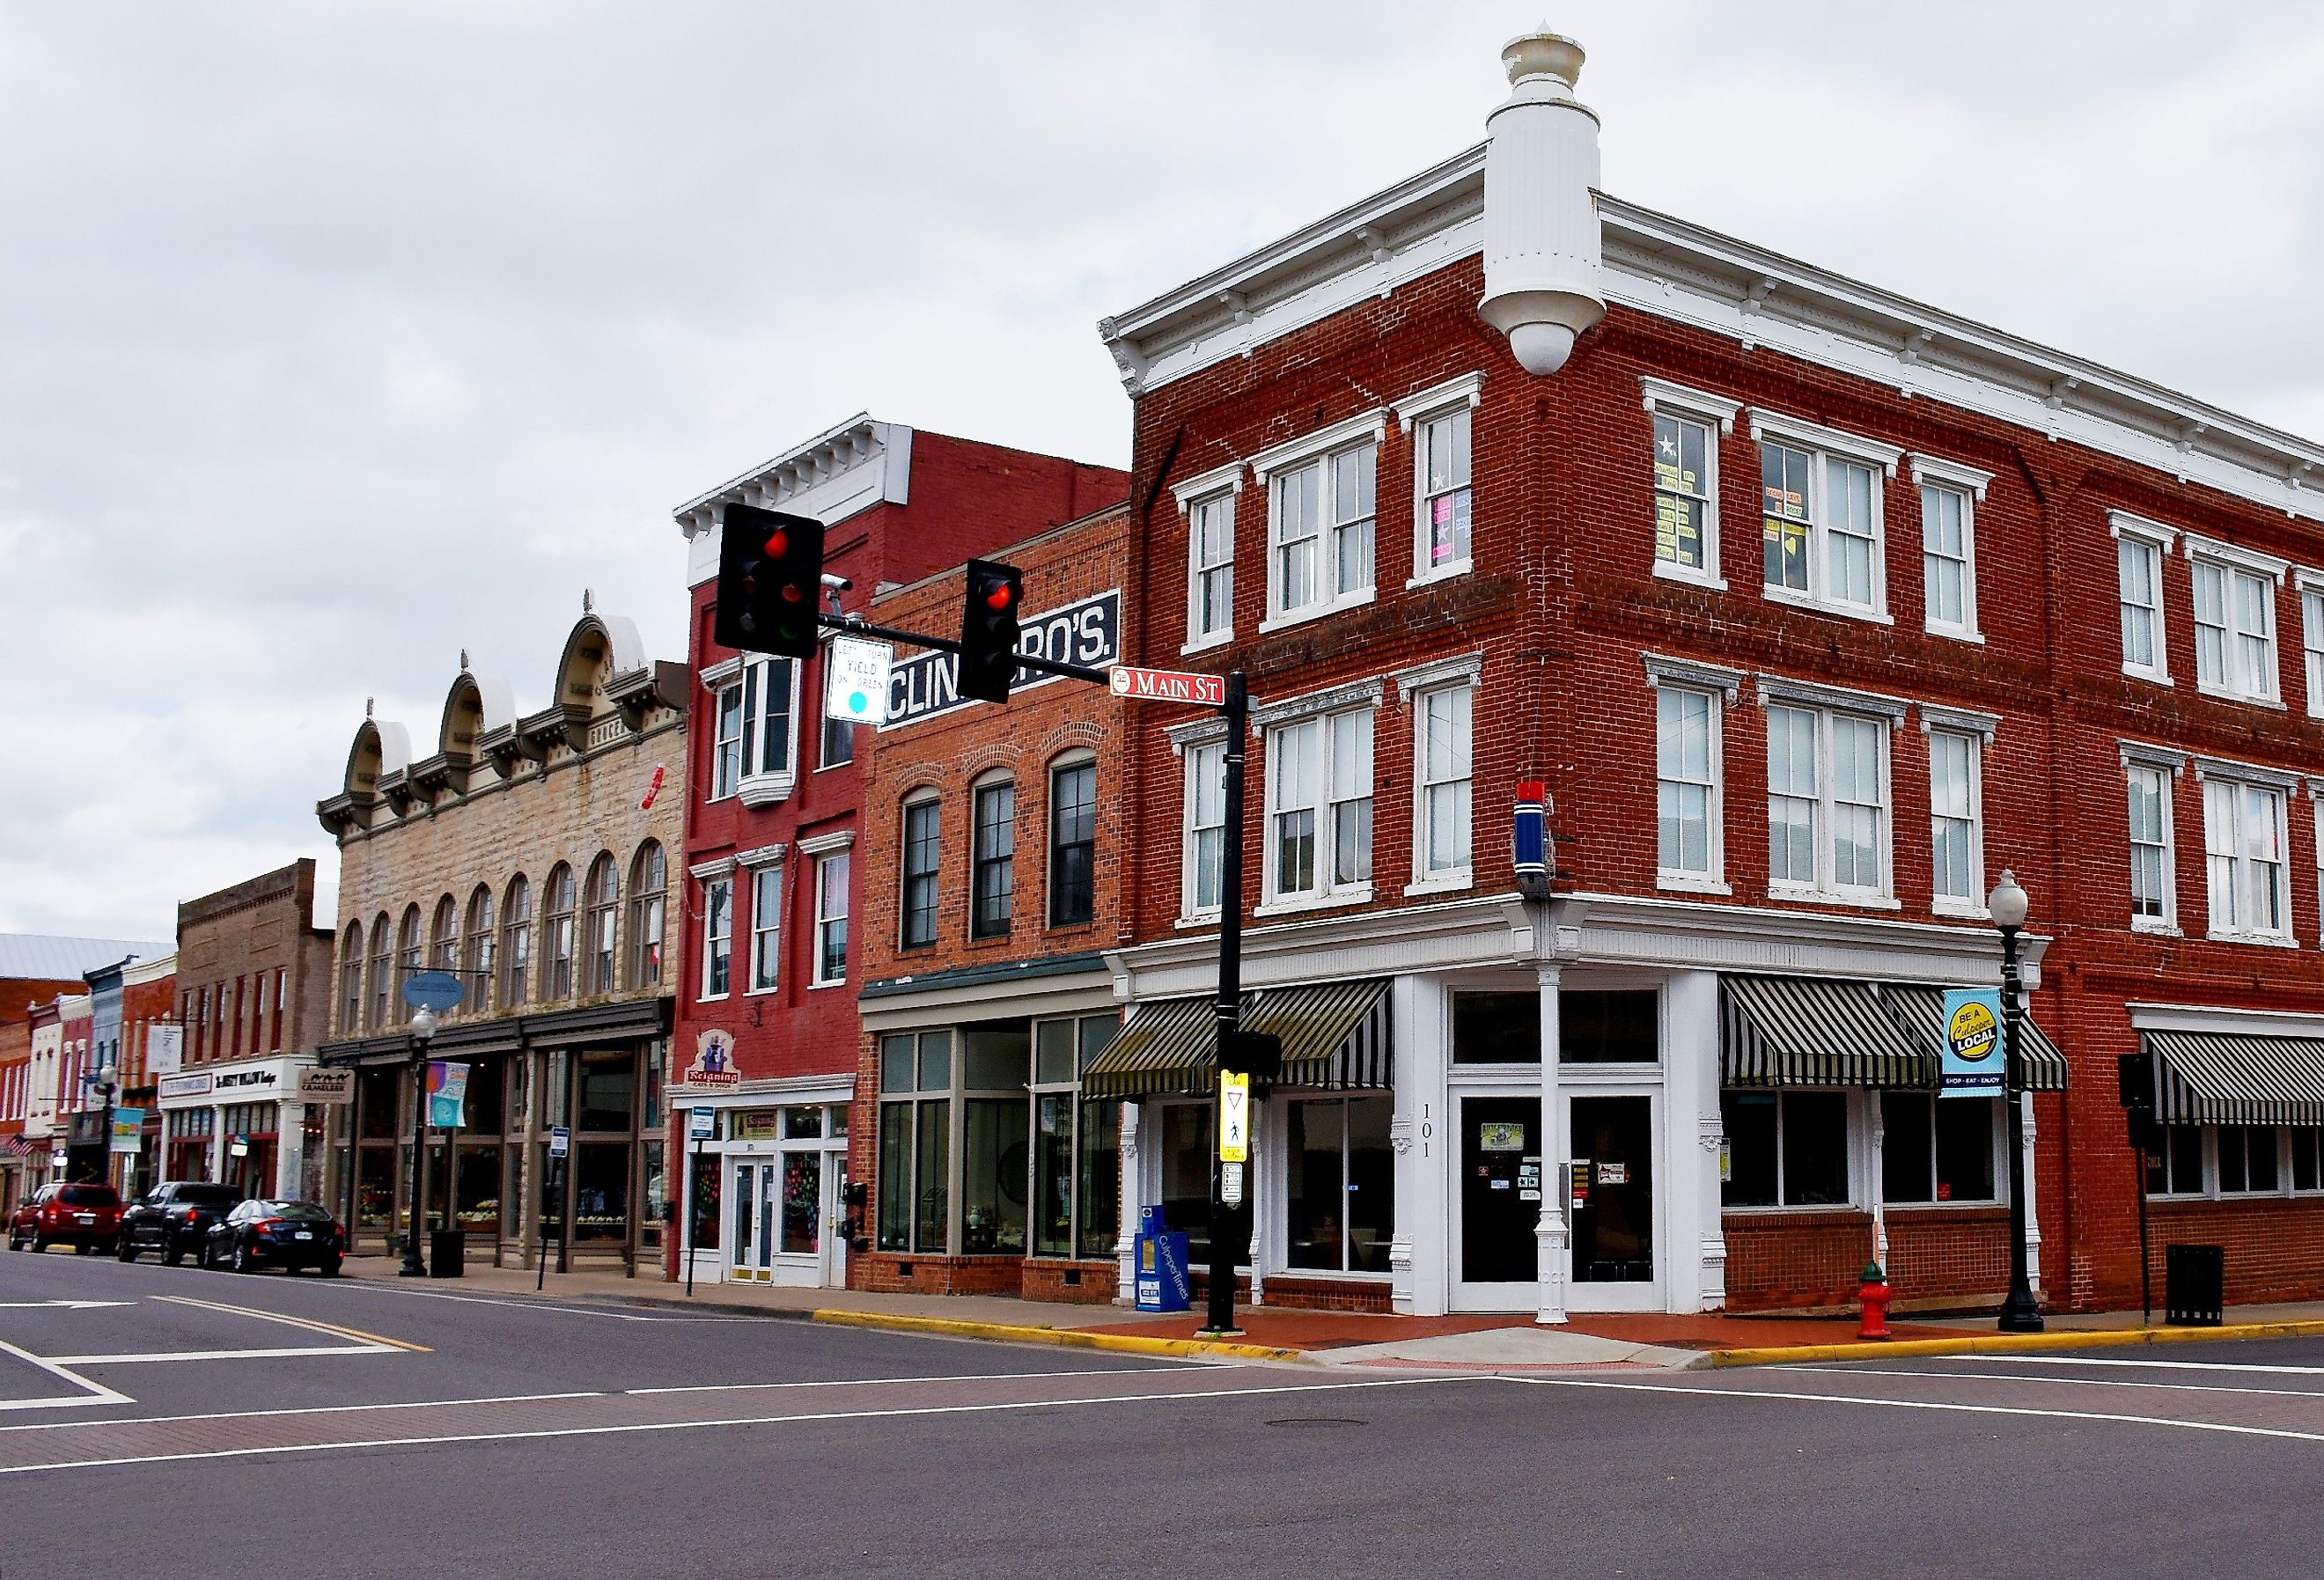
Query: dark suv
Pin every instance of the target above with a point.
(174, 1218)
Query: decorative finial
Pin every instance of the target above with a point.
(367, 706)
(464, 661)
(588, 600)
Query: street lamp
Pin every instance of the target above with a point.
(2020, 1313)
(422, 1032)
(105, 1086)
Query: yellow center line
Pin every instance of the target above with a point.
(306, 1322)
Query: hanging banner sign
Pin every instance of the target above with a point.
(1085, 633)
(128, 1130)
(1973, 1063)
(1234, 1118)
(448, 1094)
(165, 1050)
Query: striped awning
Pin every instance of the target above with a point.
(1334, 1034)
(2218, 1078)
(1922, 1011)
(1807, 1031)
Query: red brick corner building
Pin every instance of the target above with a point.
(1814, 607)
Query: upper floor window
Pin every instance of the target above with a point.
(1946, 567)
(770, 704)
(1686, 784)
(1821, 495)
(1210, 568)
(1687, 426)
(649, 890)
(1439, 459)
(444, 936)
(476, 950)
(556, 968)
(2235, 628)
(604, 913)
(1319, 826)
(1205, 832)
(2244, 852)
(2311, 641)
(2138, 566)
(831, 877)
(726, 743)
(992, 883)
(1827, 803)
(516, 944)
(717, 936)
(1442, 750)
(1956, 806)
(1321, 516)
(2152, 902)
(350, 983)
(408, 956)
(382, 978)
(922, 825)
(1073, 843)
(766, 927)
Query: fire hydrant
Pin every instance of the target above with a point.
(1874, 1295)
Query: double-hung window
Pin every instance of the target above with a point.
(2153, 903)
(1073, 843)
(923, 823)
(717, 936)
(1210, 568)
(1441, 722)
(1438, 421)
(2235, 621)
(831, 919)
(838, 743)
(992, 878)
(1821, 495)
(1950, 495)
(1319, 825)
(1956, 819)
(1686, 785)
(1786, 1149)
(1687, 426)
(1206, 821)
(2244, 856)
(2311, 640)
(1827, 802)
(1321, 514)
(726, 743)
(766, 927)
(2140, 547)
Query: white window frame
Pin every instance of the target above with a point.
(1934, 475)
(1825, 445)
(1221, 489)
(2234, 566)
(723, 785)
(1661, 398)
(2242, 779)
(1724, 686)
(764, 926)
(1323, 708)
(1415, 413)
(1321, 446)
(823, 850)
(2170, 766)
(2316, 799)
(716, 943)
(1829, 704)
(2310, 587)
(1418, 689)
(1978, 730)
(1196, 746)
(763, 787)
(2154, 541)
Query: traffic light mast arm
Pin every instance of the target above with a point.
(855, 625)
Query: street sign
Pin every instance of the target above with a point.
(700, 1122)
(1234, 1118)
(855, 675)
(560, 1140)
(1166, 685)
(1972, 1063)
(433, 990)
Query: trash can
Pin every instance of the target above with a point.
(1162, 1283)
(448, 1250)
(2194, 1285)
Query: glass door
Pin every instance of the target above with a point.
(1610, 1184)
(755, 1206)
(833, 1266)
(1499, 1201)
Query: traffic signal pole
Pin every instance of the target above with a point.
(1229, 1241)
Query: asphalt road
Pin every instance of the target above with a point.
(200, 1424)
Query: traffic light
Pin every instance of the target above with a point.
(769, 581)
(989, 631)
(1256, 1054)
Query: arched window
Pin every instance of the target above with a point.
(556, 902)
(382, 986)
(516, 944)
(406, 959)
(604, 893)
(476, 950)
(350, 981)
(992, 874)
(649, 878)
(444, 936)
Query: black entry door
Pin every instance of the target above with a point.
(1500, 1189)
(1614, 1190)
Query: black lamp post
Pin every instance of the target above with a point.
(2020, 1313)
(106, 1085)
(423, 1032)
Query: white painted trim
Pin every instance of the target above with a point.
(1657, 392)
(1936, 470)
(2121, 524)
(1692, 672)
(1463, 667)
(1776, 688)
(722, 674)
(1815, 436)
(1958, 720)
(1332, 700)
(765, 855)
(1308, 446)
(1467, 390)
(2225, 1020)
(2146, 756)
(707, 871)
(825, 843)
(2211, 549)
(1217, 480)
(2222, 768)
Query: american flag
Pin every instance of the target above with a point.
(19, 1145)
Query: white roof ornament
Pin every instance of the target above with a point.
(1541, 244)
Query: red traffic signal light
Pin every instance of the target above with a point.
(769, 573)
(989, 631)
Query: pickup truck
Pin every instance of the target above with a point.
(174, 1218)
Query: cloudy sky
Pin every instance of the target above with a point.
(334, 338)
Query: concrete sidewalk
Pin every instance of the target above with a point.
(1510, 1343)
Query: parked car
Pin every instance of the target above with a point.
(263, 1232)
(86, 1217)
(174, 1218)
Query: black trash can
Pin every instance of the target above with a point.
(448, 1250)
(2194, 1285)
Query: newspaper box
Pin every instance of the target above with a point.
(1162, 1284)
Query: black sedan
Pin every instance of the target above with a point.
(263, 1232)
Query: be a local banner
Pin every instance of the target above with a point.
(448, 1094)
(1973, 1065)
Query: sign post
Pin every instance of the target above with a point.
(560, 1143)
(700, 1121)
(1230, 1241)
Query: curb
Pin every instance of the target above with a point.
(2104, 1338)
(1066, 1337)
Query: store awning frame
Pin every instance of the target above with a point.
(2220, 1077)
(1813, 1031)
(1336, 1037)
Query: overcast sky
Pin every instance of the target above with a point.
(334, 338)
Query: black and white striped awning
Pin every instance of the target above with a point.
(1336, 1035)
(2218, 1078)
(1809, 1031)
(1922, 1010)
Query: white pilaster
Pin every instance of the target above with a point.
(1133, 1195)
(2032, 1216)
(1419, 1255)
(1550, 1231)
(1690, 1088)
(1875, 1192)
(290, 1148)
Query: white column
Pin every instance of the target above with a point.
(219, 1140)
(1133, 1194)
(1419, 1253)
(289, 1147)
(1874, 1187)
(1549, 1231)
(2032, 1217)
(1694, 1277)
(1255, 1175)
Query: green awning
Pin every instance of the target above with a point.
(1922, 1011)
(2219, 1077)
(1334, 1034)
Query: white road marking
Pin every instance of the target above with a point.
(876, 1381)
(804, 1419)
(96, 1392)
(371, 1287)
(1925, 1404)
(66, 1305)
(2316, 1394)
(137, 1359)
(312, 1409)
(2154, 1365)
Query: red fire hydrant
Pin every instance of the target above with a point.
(1874, 1295)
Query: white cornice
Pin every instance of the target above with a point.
(825, 844)
(1296, 452)
(1467, 390)
(1217, 480)
(1350, 694)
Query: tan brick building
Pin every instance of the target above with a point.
(531, 857)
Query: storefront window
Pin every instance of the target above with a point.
(1100, 1194)
(1186, 1176)
(992, 1176)
(476, 1193)
(1936, 1150)
(931, 1218)
(374, 1187)
(706, 1176)
(1053, 1169)
(1786, 1149)
(896, 1173)
(1496, 1028)
(1340, 1207)
(1607, 1027)
(802, 1123)
(2176, 1170)
(658, 1202)
(601, 1189)
(379, 1092)
(802, 1200)
(608, 1083)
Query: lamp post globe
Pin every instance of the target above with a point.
(422, 1032)
(2020, 1312)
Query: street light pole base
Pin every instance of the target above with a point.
(2018, 1317)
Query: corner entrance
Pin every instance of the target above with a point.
(1499, 1203)
(1610, 1190)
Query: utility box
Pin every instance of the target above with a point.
(1160, 1267)
(447, 1253)
(2194, 1285)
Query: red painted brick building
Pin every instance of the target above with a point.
(992, 848)
(767, 1034)
(1815, 609)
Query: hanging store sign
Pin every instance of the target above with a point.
(714, 1062)
(165, 1050)
(1973, 1063)
(335, 1086)
(1085, 633)
(448, 1094)
(197, 1085)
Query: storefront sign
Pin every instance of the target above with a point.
(1613, 1174)
(1501, 1138)
(714, 1062)
(1972, 1054)
(247, 1080)
(433, 990)
(757, 1124)
(1085, 632)
(855, 675)
(1234, 1117)
(165, 1050)
(197, 1085)
(128, 1130)
(1580, 1172)
(448, 1094)
(337, 1085)
(239, 1147)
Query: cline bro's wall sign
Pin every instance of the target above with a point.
(1085, 632)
